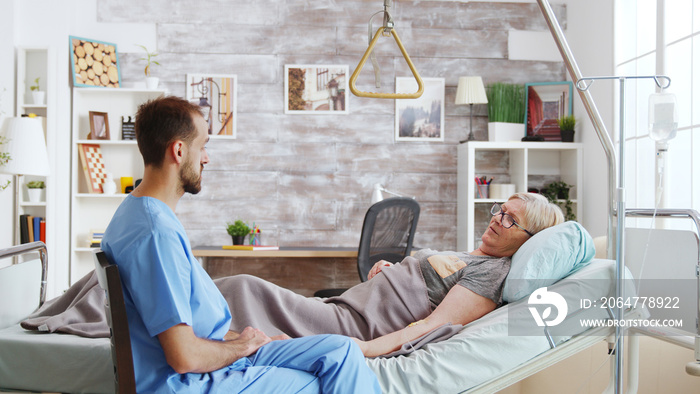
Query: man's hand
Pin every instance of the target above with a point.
(250, 340)
(377, 268)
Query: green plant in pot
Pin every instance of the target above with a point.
(506, 109)
(557, 191)
(37, 94)
(151, 82)
(237, 230)
(567, 124)
(34, 190)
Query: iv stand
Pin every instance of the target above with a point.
(583, 84)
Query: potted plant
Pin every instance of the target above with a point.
(557, 191)
(37, 94)
(238, 230)
(34, 190)
(151, 82)
(567, 124)
(506, 109)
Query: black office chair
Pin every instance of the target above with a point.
(109, 279)
(387, 234)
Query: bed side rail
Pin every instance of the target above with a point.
(39, 247)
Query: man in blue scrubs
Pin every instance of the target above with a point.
(178, 319)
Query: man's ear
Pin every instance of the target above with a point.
(177, 151)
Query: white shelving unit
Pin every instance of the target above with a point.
(32, 63)
(93, 211)
(525, 164)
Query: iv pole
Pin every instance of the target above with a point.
(583, 84)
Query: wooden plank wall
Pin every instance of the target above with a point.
(306, 180)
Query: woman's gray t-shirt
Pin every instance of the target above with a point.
(484, 275)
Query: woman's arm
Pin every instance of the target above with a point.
(460, 306)
(185, 352)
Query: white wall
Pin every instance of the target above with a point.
(7, 81)
(24, 26)
(589, 33)
(590, 36)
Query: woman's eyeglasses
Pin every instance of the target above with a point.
(507, 221)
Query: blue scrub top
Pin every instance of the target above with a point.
(164, 285)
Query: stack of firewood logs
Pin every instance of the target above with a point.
(95, 63)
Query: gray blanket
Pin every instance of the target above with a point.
(257, 303)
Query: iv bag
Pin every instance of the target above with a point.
(663, 118)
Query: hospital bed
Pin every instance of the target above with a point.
(67, 363)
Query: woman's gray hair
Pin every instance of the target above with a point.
(539, 212)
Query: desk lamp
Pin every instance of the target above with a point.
(378, 196)
(26, 146)
(470, 90)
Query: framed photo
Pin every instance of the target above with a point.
(94, 63)
(315, 89)
(216, 94)
(546, 103)
(99, 126)
(421, 119)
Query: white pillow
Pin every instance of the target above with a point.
(550, 255)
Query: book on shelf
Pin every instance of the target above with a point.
(42, 230)
(96, 238)
(30, 228)
(23, 229)
(37, 228)
(251, 247)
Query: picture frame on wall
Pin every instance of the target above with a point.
(99, 126)
(423, 118)
(217, 94)
(546, 102)
(315, 89)
(94, 63)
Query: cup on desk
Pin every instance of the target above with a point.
(481, 191)
(501, 191)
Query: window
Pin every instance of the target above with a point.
(641, 48)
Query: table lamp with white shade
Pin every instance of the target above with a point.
(26, 145)
(470, 90)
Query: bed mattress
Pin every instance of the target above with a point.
(54, 362)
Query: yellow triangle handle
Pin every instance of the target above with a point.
(359, 67)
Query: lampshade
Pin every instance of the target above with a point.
(27, 148)
(470, 90)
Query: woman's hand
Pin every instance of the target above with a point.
(377, 268)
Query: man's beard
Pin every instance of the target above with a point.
(190, 179)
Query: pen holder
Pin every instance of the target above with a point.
(481, 191)
(255, 238)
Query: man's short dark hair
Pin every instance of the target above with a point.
(162, 121)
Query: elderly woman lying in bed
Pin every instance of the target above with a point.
(400, 302)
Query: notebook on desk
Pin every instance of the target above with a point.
(251, 247)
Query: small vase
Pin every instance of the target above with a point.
(238, 239)
(152, 83)
(38, 97)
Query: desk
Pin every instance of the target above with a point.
(300, 269)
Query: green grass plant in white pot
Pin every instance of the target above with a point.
(506, 108)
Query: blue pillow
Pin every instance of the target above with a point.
(552, 254)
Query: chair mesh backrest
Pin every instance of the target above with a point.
(387, 232)
(115, 308)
